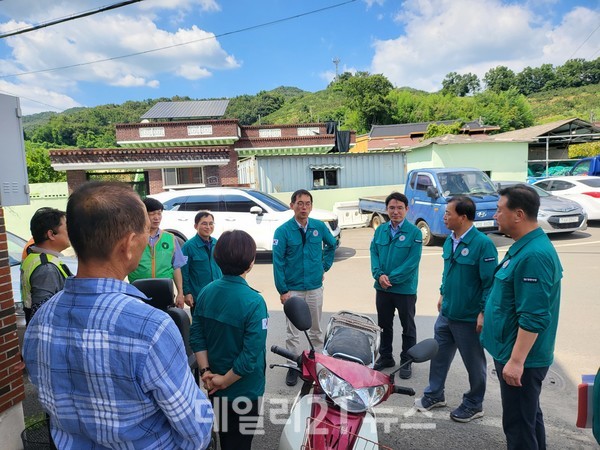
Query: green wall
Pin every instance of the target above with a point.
(504, 160)
(53, 195)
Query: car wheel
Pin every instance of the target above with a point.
(428, 238)
(377, 220)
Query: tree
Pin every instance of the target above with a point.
(532, 80)
(500, 78)
(440, 129)
(39, 169)
(367, 95)
(460, 85)
(509, 109)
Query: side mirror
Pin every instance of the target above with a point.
(296, 309)
(256, 210)
(432, 192)
(423, 351)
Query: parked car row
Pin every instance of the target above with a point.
(233, 208)
(582, 189)
(556, 214)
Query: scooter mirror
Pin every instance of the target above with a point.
(423, 351)
(296, 309)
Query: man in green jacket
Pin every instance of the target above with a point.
(303, 250)
(470, 258)
(521, 317)
(395, 256)
(201, 267)
(162, 257)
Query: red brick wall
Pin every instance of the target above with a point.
(177, 130)
(75, 178)
(228, 174)
(155, 181)
(12, 390)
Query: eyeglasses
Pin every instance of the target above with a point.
(303, 204)
(207, 224)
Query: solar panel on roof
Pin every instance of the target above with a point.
(189, 109)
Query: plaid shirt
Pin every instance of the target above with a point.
(112, 371)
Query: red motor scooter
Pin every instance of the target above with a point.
(334, 408)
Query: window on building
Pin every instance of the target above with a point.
(308, 131)
(325, 178)
(187, 175)
(269, 132)
(199, 130)
(152, 132)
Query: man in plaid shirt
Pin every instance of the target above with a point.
(111, 370)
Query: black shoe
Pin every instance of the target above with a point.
(406, 372)
(292, 377)
(384, 362)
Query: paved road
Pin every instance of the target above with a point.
(349, 286)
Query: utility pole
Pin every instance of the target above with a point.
(336, 61)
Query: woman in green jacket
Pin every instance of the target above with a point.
(228, 336)
(201, 267)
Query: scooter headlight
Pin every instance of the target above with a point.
(347, 397)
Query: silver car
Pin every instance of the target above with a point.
(556, 214)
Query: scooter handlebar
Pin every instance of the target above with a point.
(285, 353)
(404, 390)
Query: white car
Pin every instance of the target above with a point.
(585, 190)
(255, 212)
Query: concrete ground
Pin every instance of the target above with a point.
(349, 286)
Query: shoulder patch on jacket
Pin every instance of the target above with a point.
(530, 280)
(275, 241)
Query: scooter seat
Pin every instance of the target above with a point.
(350, 344)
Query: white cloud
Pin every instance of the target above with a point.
(329, 75)
(191, 53)
(36, 99)
(442, 36)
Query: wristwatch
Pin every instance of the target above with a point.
(206, 369)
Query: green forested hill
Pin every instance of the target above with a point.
(582, 102)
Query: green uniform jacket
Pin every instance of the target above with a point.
(230, 323)
(468, 275)
(298, 266)
(201, 267)
(525, 294)
(157, 260)
(398, 258)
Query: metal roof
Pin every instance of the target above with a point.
(406, 129)
(190, 109)
(566, 127)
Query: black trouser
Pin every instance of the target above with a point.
(237, 420)
(387, 303)
(522, 418)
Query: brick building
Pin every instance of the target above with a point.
(188, 144)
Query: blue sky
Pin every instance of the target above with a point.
(413, 43)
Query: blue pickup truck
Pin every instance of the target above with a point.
(428, 191)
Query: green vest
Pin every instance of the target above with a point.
(28, 265)
(157, 261)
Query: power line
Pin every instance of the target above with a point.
(586, 39)
(68, 18)
(228, 33)
(35, 101)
